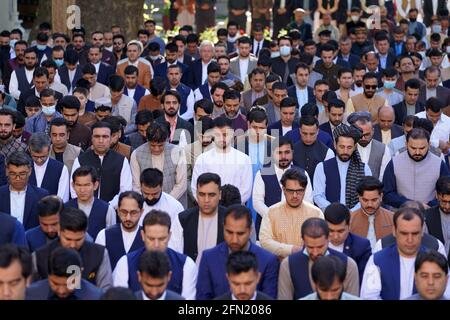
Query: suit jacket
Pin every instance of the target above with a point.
(246, 100)
(401, 111)
(442, 93)
(187, 60)
(403, 48)
(390, 59)
(292, 92)
(326, 127)
(104, 73)
(259, 296)
(161, 71)
(278, 66)
(195, 74)
(235, 68)
(427, 8)
(170, 295)
(277, 127)
(359, 249)
(266, 44)
(33, 195)
(353, 59)
(212, 280)
(396, 131)
(40, 290)
(189, 221)
(181, 124)
(64, 75)
(145, 71)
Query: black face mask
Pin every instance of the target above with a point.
(152, 202)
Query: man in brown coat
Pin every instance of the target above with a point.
(134, 51)
(371, 221)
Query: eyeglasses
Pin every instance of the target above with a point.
(292, 192)
(374, 87)
(133, 213)
(22, 175)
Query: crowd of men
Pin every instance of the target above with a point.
(313, 165)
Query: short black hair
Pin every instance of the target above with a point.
(204, 104)
(172, 93)
(213, 67)
(434, 104)
(89, 69)
(258, 115)
(157, 217)
(152, 178)
(241, 261)
(19, 159)
(155, 263)
(144, 117)
(12, 252)
(443, 185)
(369, 183)
(69, 102)
(279, 86)
(336, 213)
(326, 269)
(49, 206)
(222, 122)
(294, 174)
(118, 294)
(129, 70)
(315, 228)
(132, 195)
(40, 72)
(116, 83)
(230, 196)
(418, 133)
(62, 260)
(407, 213)
(157, 132)
(209, 177)
(73, 219)
(231, 95)
(309, 121)
(85, 171)
(238, 212)
(431, 256)
(335, 103)
(158, 86)
(288, 102)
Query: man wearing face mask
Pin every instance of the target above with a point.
(389, 92)
(41, 121)
(413, 174)
(43, 51)
(416, 27)
(284, 65)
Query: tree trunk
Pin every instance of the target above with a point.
(100, 15)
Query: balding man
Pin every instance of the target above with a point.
(386, 130)
(199, 68)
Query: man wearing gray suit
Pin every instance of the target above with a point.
(243, 64)
(258, 89)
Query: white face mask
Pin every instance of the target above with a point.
(49, 111)
(285, 51)
(275, 54)
(355, 18)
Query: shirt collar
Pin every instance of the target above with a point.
(163, 297)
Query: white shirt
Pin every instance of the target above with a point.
(255, 45)
(205, 71)
(18, 201)
(339, 248)
(14, 83)
(163, 296)
(198, 95)
(243, 67)
(126, 181)
(233, 167)
(441, 247)
(189, 114)
(173, 207)
(63, 184)
(132, 91)
(371, 284)
(320, 184)
(128, 238)
(302, 96)
(435, 7)
(365, 155)
(259, 191)
(120, 277)
(97, 67)
(441, 130)
(285, 129)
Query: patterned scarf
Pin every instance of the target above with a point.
(354, 174)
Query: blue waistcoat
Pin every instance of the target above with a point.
(36, 238)
(204, 90)
(333, 180)
(114, 243)
(298, 268)
(22, 80)
(138, 93)
(184, 92)
(97, 217)
(8, 227)
(177, 261)
(51, 177)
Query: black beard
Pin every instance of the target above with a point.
(416, 160)
(152, 202)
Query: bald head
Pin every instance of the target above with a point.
(386, 117)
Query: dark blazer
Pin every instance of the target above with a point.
(187, 60)
(161, 71)
(403, 48)
(442, 93)
(104, 73)
(340, 62)
(278, 127)
(33, 195)
(40, 290)
(212, 280)
(343, 8)
(278, 66)
(64, 75)
(181, 124)
(195, 74)
(434, 223)
(292, 92)
(189, 221)
(3, 178)
(401, 112)
(170, 295)
(266, 44)
(353, 59)
(428, 10)
(259, 296)
(359, 249)
(396, 131)
(29, 93)
(326, 127)
(391, 57)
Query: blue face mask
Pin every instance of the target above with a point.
(275, 54)
(41, 47)
(285, 51)
(389, 84)
(59, 62)
(436, 28)
(49, 111)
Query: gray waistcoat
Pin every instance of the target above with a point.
(171, 157)
(417, 180)
(376, 156)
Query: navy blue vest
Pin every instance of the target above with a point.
(204, 90)
(298, 268)
(138, 93)
(36, 238)
(184, 92)
(90, 106)
(114, 243)
(177, 261)
(272, 194)
(388, 260)
(97, 217)
(308, 157)
(333, 180)
(51, 177)
(7, 228)
(22, 80)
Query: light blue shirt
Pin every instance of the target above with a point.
(320, 183)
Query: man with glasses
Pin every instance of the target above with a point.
(368, 100)
(19, 198)
(288, 216)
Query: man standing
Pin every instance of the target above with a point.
(21, 79)
(386, 130)
(335, 180)
(328, 68)
(411, 105)
(243, 64)
(231, 105)
(132, 88)
(9, 145)
(41, 122)
(198, 69)
(300, 91)
(280, 227)
(134, 51)
(174, 76)
(79, 134)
